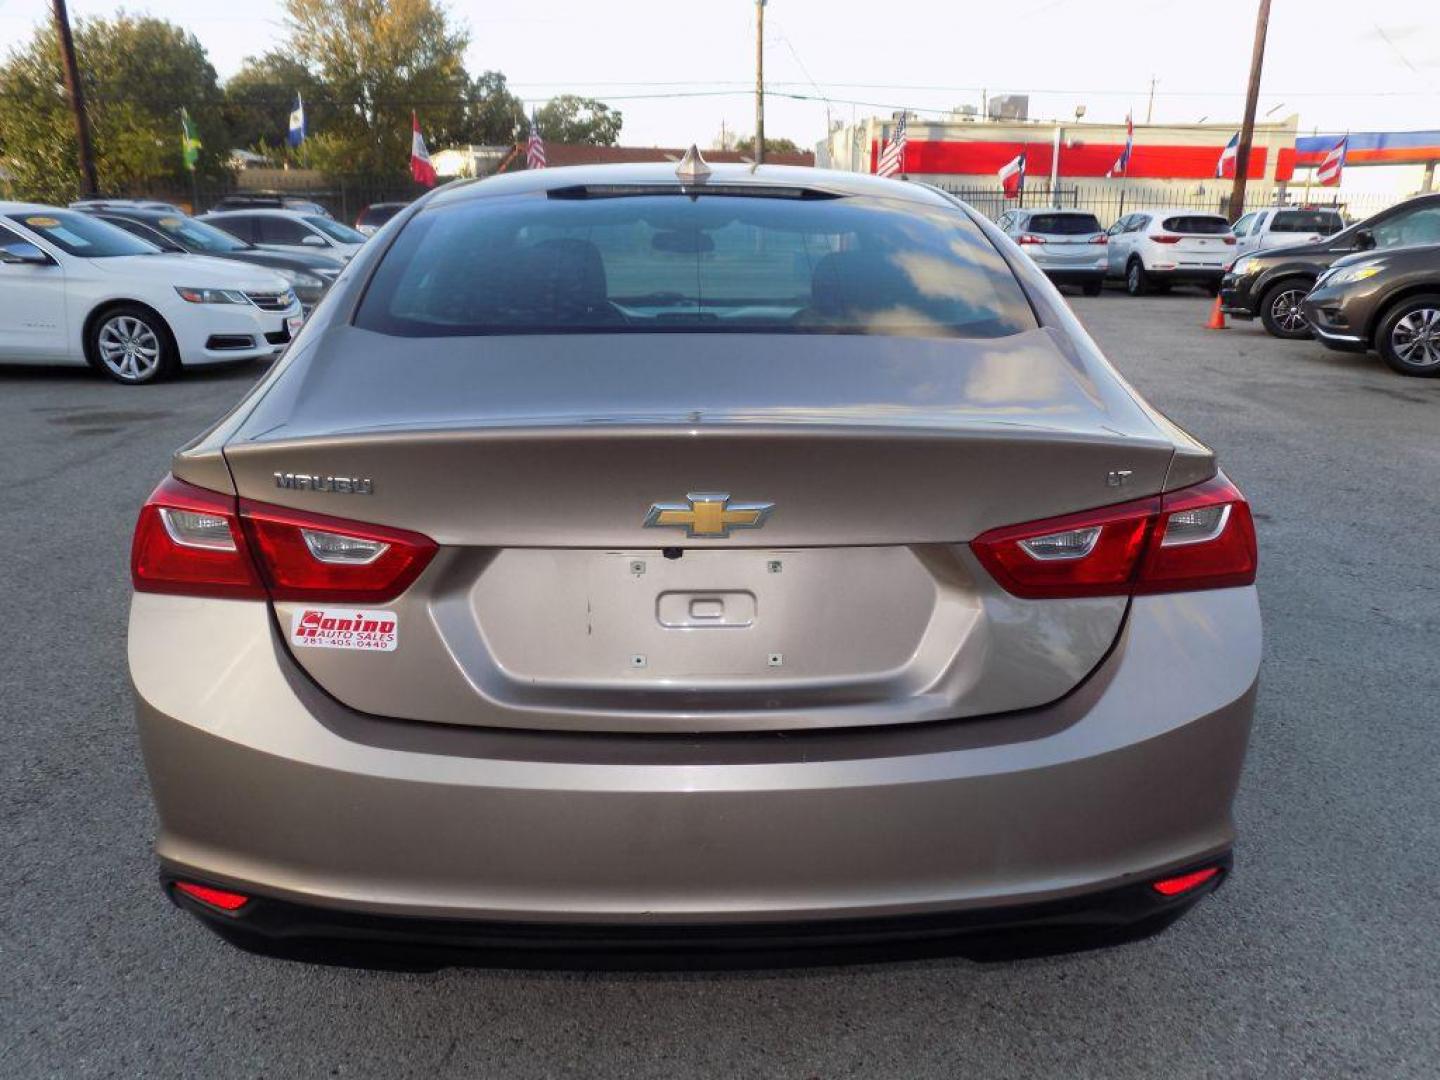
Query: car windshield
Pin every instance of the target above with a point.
(1202, 224)
(708, 263)
(342, 234)
(1065, 224)
(197, 236)
(83, 235)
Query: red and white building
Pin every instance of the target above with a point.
(968, 152)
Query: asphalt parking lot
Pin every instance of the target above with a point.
(1318, 959)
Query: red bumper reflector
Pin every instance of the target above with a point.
(1174, 886)
(217, 898)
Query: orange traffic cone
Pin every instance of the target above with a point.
(1217, 317)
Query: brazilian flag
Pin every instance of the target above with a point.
(189, 141)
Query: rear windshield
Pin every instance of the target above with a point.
(708, 263)
(1203, 224)
(1324, 222)
(1064, 224)
(378, 215)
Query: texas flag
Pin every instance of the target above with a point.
(1227, 157)
(1328, 174)
(1122, 163)
(1012, 176)
(420, 167)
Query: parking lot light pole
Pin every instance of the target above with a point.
(76, 91)
(1247, 126)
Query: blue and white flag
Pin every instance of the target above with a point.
(297, 122)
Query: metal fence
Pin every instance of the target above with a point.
(1110, 203)
(343, 196)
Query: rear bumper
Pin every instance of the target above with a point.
(266, 785)
(308, 932)
(1074, 275)
(1187, 275)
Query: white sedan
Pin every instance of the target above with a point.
(76, 290)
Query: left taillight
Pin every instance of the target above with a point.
(1201, 537)
(196, 542)
(189, 541)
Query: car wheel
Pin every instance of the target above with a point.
(1137, 282)
(1092, 288)
(132, 345)
(1409, 336)
(1280, 310)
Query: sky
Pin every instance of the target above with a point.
(1340, 66)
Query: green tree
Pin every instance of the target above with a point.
(378, 60)
(572, 119)
(493, 115)
(772, 146)
(259, 97)
(138, 72)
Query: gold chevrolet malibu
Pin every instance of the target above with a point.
(656, 561)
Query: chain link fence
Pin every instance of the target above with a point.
(343, 196)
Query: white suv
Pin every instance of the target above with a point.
(290, 230)
(1154, 249)
(77, 290)
(1282, 226)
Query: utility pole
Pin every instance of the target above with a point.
(759, 82)
(1150, 106)
(88, 183)
(1247, 126)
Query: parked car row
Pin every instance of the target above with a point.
(1373, 285)
(136, 289)
(1149, 250)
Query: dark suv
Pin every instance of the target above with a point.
(1272, 283)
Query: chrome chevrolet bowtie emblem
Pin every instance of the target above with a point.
(708, 514)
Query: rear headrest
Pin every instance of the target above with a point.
(560, 277)
(849, 283)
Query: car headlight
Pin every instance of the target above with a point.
(211, 296)
(300, 278)
(1346, 275)
(1241, 266)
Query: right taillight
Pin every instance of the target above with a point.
(1200, 537)
(196, 542)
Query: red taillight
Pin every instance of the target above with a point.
(1028, 238)
(1165, 238)
(216, 898)
(1200, 537)
(1100, 238)
(313, 557)
(1183, 883)
(1230, 240)
(188, 540)
(200, 543)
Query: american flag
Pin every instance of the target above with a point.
(534, 148)
(892, 159)
(1122, 163)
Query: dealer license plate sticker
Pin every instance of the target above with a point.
(344, 628)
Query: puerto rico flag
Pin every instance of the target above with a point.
(1012, 176)
(1328, 173)
(1226, 165)
(420, 167)
(1122, 163)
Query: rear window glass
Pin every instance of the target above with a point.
(708, 263)
(1203, 224)
(378, 215)
(1064, 224)
(1324, 222)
